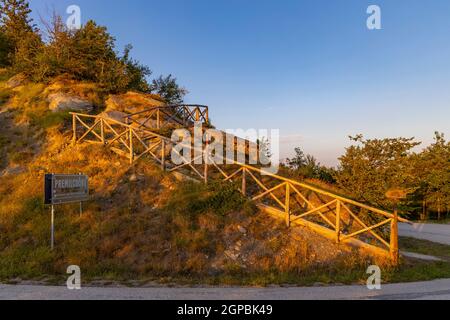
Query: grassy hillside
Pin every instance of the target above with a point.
(141, 224)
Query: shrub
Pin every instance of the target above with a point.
(220, 198)
(5, 95)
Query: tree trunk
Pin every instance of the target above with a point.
(423, 215)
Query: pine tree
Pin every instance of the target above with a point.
(5, 49)
(15, 19)
(168, 89)
(23, 40)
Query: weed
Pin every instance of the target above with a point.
(48, 119)
(5, 95)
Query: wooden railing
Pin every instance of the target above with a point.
(335, 217)
(184, 115)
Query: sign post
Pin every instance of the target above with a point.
(52, 241)
(62, 189)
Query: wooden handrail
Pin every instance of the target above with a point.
(149, 142)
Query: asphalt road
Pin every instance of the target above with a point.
(439, 233)
(435, 290)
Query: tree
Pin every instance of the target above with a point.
(373, 167)
(168, 89)
(5, 50)
(136, 72)
(15, 19)
(432, 168)
(22, 38)
(307, 166)
(89, 54)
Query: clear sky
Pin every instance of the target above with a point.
(310, 68)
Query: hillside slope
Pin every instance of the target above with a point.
(141, 223)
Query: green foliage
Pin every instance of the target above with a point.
(88, 54)
(21, 39)
(192, 199)
(49, 119)
(136, 72)
(4, 96)
(5, 49)
(373, 167)
(15, 19)
(306, 166)
(432, 171)
(168, 89)
(85, 54)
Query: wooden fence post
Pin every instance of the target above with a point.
(338, 221)
(158, 119)
(131, 146)
(197, 114)
(102, 131)
(394, 238)
(244, 182)
(74, 128)
(205, 159)
(288, 204)
(163, 155)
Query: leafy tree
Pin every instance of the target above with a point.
(307, 166)
(432, 169)
(15, 19)
(85, 54)
(89, 54)
(136, 72)
(5, 49)
(168, 89)
(373, 167)
(22, 40)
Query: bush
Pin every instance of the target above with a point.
(5, 95)
(168, 89)
(219, 198)
(49, 119)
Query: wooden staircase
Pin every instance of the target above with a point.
(333, 216)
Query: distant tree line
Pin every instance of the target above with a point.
(370, 168)
(88, 53)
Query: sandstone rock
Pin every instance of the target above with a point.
(242, 230)
(16, 81)
(132, 102)
(12, 171)
(66, 102)
(115, 115)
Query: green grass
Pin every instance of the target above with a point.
(424, 247)
(418, 270)
(49, 119)
(435, 221)
(4, 75)
(5, 95)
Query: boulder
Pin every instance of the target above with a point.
(67, 102)
(132, 102)
(115, 115)
(16, 81)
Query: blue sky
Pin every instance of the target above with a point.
(309, 68)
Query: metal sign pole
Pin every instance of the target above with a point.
(52, 243)
(81, 209)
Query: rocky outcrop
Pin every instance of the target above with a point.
(16, 81)
(67, 102)
(132, 102)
